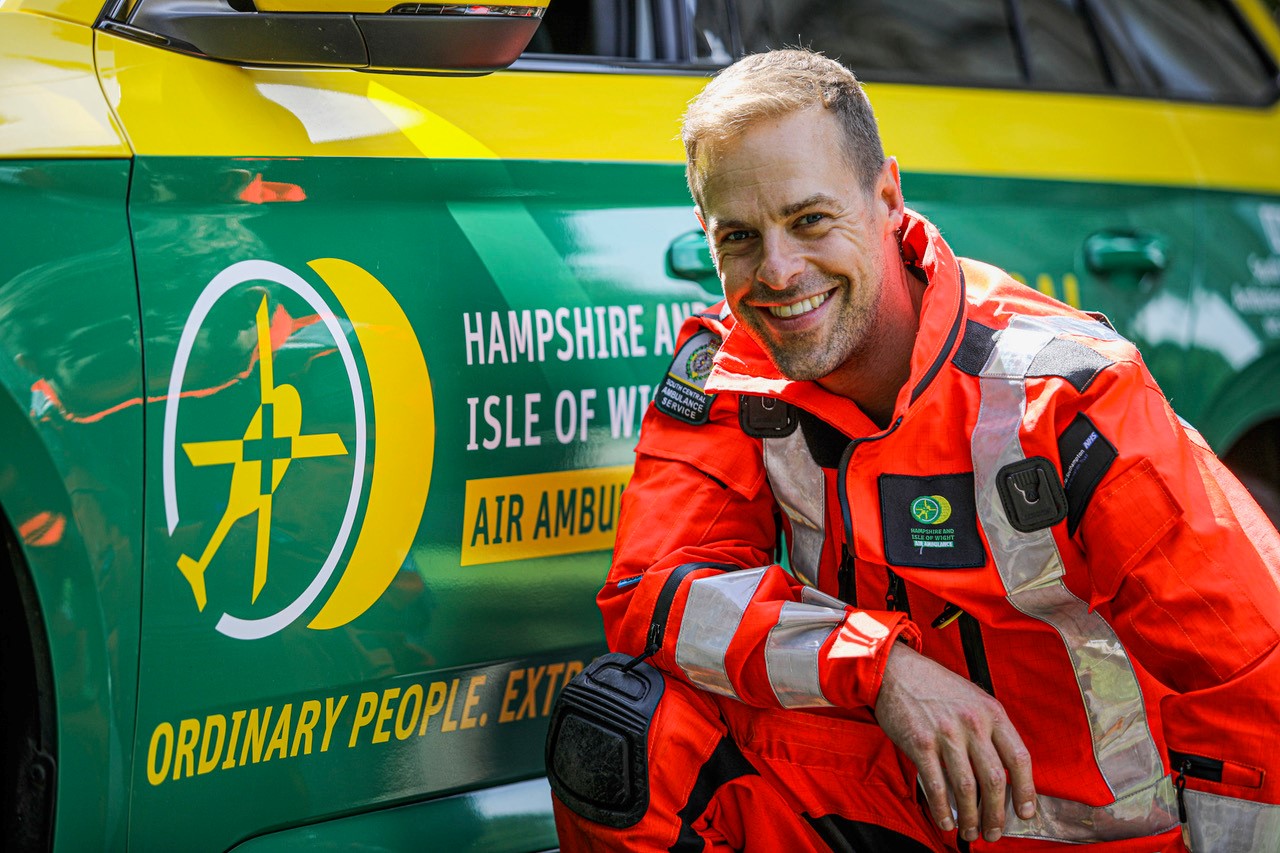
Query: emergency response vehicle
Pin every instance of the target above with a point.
(323, 352)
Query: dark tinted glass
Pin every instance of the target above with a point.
(755, 24)
(926, 41)
(1194, 49)
(659, 31)
(711, 42)
(1061, 46)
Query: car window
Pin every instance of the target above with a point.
(659, 32)
(621, 30)
(1063, 47)
(712, 43)
(1194, 49)
(926, 41)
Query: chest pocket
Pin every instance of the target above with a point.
(930, 522)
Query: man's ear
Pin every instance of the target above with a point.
(889, 193)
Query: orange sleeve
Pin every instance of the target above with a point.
(1187, 569)
(739, 625)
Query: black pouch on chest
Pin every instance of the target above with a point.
(930, 522)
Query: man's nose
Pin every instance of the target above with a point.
(781, 262)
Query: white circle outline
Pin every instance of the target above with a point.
(234, 275)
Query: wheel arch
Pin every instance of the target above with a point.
(82, 665)
(29, 711)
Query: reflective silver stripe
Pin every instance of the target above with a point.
(1227, 825)
(809, 595)
(800, 489)
(712, 614)
(1031, 570)
(791, 653)
(1149, 810)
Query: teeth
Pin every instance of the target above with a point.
(795, 309)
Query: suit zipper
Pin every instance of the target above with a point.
(847, 577)
(975, 653)
(1196, 767)
(895, 597)
(848, 591)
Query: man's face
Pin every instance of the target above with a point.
(800, 245)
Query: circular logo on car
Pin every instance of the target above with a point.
(272, 487)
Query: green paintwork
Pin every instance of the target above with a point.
(71, 421)
(1231, 383)
(438, 622)
(505, 817)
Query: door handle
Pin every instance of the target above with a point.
(1133, 253)
(689, 257)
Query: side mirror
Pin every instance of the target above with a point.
(384, 35)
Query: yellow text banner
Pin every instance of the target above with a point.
(541, 515)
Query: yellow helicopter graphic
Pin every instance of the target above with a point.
(271, 441)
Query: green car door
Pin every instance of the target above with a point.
(398, 336)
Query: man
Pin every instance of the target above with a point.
(1026, 606)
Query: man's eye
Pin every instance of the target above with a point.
(735, 237)
(811, 218)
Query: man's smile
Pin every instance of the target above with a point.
(795, 309)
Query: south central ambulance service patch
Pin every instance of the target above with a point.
(680, 394)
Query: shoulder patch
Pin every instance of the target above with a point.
(681, 394)
(1073, 361)
(1085, 456)
(975, 347)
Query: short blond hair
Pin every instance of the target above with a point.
(774, 84)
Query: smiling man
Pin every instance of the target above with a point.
(1024, 606)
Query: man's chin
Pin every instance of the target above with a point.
(798, 368)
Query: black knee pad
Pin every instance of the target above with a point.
(597, 742)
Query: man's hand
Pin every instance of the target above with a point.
(961, 741)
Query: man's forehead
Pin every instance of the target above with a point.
(779, 162)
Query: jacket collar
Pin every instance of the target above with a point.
(742, 366)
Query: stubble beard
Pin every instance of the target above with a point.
(809, 356)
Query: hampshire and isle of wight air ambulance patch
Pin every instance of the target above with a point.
(680, 394)
(930, 522)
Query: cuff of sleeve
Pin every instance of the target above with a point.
(856, 654)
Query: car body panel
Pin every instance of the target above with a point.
(282, 113)
(460, 628)
(83, 12)
(53, 103)
(492, 820)
(366, 6)
(71, 387)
